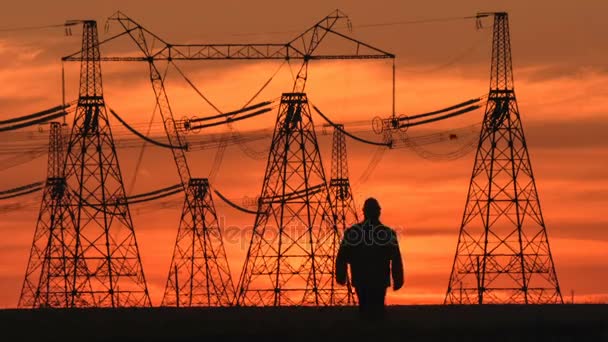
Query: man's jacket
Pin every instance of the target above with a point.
(373, 255)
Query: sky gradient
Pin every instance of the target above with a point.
(561, 83)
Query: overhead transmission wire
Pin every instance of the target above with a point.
(236, 134)
(363, 26)
(234, 205)
(416, 143)
(142, 150)
(21, 190)
(222, 145)
(250, 152)
(447, 109)
(194, 87)
(371, 165)
(32, 28)
(142, 136)
(33, 119)
(156, 194)
(329, 121)
(442, 117)
(135, 199)
(435, 116)
(140, 155)
(378, 154)
(34, 115)
(124, 141)
(422, 140)
(228, 117)
(458, 57)
(365, 141)
(413, 22)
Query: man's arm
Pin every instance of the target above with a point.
(396, 263)
(341, 262)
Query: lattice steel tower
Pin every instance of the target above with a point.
(295, 187)
(290, 260)
(199, 274)
(341, 194)
(503, 253)
(92, 254)
(46, 282)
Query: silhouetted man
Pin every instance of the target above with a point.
(372, 251)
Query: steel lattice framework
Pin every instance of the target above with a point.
(503, 253)
(46, 282)
(199, 273)
(341, 194)
(303, 47)
(290, 260)
(92, 257)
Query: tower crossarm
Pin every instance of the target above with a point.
(302, 47)
(146, 41)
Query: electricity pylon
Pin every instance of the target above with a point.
(302, 48)
(290, 260)
(204, 279)
(341, 194)
(46, 282)
(199, 274)
(291, 256)
(503, 253)
(92, 257)
(339, 184)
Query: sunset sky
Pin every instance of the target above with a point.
(560, 65)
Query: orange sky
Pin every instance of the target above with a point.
(561, 80)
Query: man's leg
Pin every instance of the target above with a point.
(363, 298)
(376, 302)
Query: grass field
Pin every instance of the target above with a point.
(403, 323)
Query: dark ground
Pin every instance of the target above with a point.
(403, 323)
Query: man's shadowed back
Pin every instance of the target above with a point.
(372, 251)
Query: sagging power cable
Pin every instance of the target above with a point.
(234, 205)
(230, 120)
(21, 193)
(442, 117)
(294, 194)
(21, 190)
(160, 194)
(419, 116)
(365, 141)
(35, 115)
(156, 192)
(34, 28)
(234, 112)
(152, 141)
(140, 198)
(194, 87)
(142, 150)
(39, 120)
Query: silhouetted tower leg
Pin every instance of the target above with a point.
(46, 282)
(290, 260)
(104, 234)
(503, 253)
(341, 197)
(199, 273)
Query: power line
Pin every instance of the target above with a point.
(31, 28)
